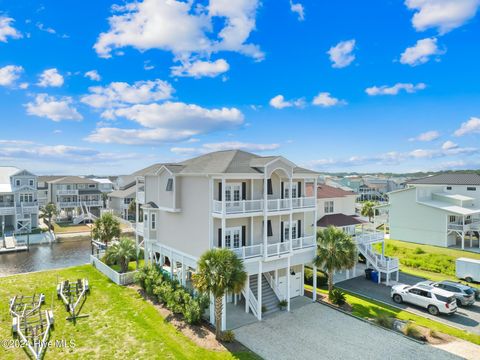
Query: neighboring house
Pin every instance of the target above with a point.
(105, 185)
(370, 187)
(119, 200)
(77, 198)
(18, 200)
(336, 207)
(439, 210)
(42, 188)
(255, 206)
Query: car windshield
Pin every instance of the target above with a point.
(443, 298)
(469, 291)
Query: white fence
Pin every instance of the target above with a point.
(117, 278)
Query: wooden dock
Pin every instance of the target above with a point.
(11, 245)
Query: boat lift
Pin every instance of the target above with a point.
(21, 305)
(73, 296)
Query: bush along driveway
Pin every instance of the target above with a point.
(466, 318)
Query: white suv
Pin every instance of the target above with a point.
(433, 299)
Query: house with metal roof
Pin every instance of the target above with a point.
(18, 201)
(441, 210)
(256, 206)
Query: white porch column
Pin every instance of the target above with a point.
(463, 232)
(265, 218)
(398, 274)
(251, 231)
(288, 283)
(259, 291)
(224, 211)
(314, 290)
(388, 278)
(247, 293)
(184, 278)
(212, 310)
(224, 313)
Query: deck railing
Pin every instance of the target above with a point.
(251, 206)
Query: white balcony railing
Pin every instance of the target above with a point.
(71, 204)
(251, 206)
(278, 249)
(7, 204)
(369, 237)
(247, 252)
(141, 197)
(304, 242)
(67, 192)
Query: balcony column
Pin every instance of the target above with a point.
(224, 313)
(288, 283)
(259, 291)
(137, 210)
(224, 211)
(265, 218)
(247, 294)
(314, 279)
(463, 232)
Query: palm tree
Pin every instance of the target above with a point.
(48, 212)
(121, 252)
(219, 271)
(106, 228)
(104, 199)
(368, 209)
(132, 208)
(335, 251)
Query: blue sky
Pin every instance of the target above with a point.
(108, 87)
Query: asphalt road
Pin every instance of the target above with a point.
(466, 318)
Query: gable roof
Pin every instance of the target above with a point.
(448, 179)
(338, 220)
(73, 180)
(326, 192)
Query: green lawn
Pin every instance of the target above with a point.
(121, 324)
(432, 262)
(132, 265)
(369, 309)
(64, 228)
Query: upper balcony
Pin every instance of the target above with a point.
(258, 206)
(472, 224)
(67, 192)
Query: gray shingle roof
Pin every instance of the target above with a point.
(126, 193)
(73, 180)
(448, 179)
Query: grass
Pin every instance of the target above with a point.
(431, 262)
(132, 265)
(121, 325)
(65, 228)
(371, 309)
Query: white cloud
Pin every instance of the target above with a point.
(298, 9)
(53, 108)
(7, 30)
(121, 93)
(448, 145)
(47, 29)
(178, 115)
(229, 145)
(426, 136)
(198, 69)
(184, 28)
(395, 89)
(421, 52)
(324, 99)
(9, 74)
(93, 75)
(445, 15)
(472, 126)
(279, 102)
(110, 135)
(167, 122)
(50, 77)
(341, 55)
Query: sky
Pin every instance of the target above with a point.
(109, 87)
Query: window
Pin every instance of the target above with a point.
(328, 207)
(145, 218)
(154, 222)
(451, 218)
(471, 188)
(449, 188)
(269, 187)
(91, 186)
(31, 182)
(169, 185)
(17, 182)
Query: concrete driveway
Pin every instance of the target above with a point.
(467, 318)
(315, 331)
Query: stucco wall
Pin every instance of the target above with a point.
(413, 222)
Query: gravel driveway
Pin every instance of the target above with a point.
(315, 331)
(467, 318)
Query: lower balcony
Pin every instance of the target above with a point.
(272, 205)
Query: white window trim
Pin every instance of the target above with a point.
(231, 185)
(232, 230)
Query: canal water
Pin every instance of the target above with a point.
(44, 257)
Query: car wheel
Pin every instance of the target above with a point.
(432, 309)
(469, 279)
(459, 303)
(397, 298)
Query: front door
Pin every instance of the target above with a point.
(286, 190)
(233, 195)
(295, 284)
(233, 237)
(286, 230)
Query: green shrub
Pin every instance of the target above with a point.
(282, 304)
(337, 297)
(148, 277)
(413, 332)
(418, 251)
(164, 292)
(322, 279)
(228, 336)
(384, 321)
(193, 311)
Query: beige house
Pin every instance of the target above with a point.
(441, 210)
(18, 201)
(255, 206)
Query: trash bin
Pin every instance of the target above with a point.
(374, 276)
(368, 274)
